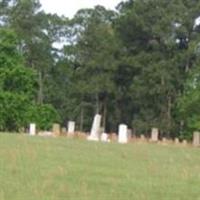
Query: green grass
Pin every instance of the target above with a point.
(35, 168)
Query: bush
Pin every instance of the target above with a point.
(43, 115)
(12, 109)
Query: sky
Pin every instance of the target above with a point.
(70, 7)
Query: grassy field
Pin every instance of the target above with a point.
(34, 168)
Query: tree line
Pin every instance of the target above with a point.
(138, 64)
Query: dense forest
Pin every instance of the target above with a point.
(138, 65)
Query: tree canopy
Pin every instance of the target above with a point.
(138, 65)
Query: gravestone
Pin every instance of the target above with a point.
(123, 134)
(56, 129)
(71, 127)
(176, 141)
(94, 133)
(154, 134)
(142, 137)
(32, 129)
(104, 137)
(64, 131)
(164, 140)
(184, 142)
(196, 139)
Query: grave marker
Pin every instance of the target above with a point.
(196, 139)
(56, 129)
(94, 134)
(71, 127)
(104, 137)
(32, 129)
(154, 134)
(123, 134)
(176, 141)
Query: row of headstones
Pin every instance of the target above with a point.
(123, 134)
(56, 130)
(195, 140)
(96, 135)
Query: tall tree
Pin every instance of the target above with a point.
(158, 48)
(95, 58)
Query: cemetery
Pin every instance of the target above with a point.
(123, 136)
(103, 104)
(64, 162)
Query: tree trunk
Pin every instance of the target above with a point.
(97, 104)
(104, 113)
(40, 92)
(81, 118)
(169, 107)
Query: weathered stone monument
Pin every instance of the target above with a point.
(142, 137)
(32, 129)
(123, 134)
(184, 142)
(104, 137)
(94, 133)
(64, 130)
(176, 141)
(196, 139)
(56, 129)
(154, 134)
(71, 128)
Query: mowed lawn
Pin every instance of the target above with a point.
(36, 168)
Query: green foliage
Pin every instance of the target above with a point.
(43, 115)
(18, 89)
(9, 54)
(13, 107)
(18, 80)
(188, 107)
(130, 66)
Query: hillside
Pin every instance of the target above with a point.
(60, 168)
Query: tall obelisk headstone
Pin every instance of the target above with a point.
(123, 134)
(94, 133)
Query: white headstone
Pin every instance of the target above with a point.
(71, 127)
(154, 134)
(184, 142)
(196, 139)
(32, 129)
(142, 137)
(104, 137)
(123, 133)
(94, 134)
(176, 141)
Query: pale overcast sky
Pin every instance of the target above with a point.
(70, 7)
